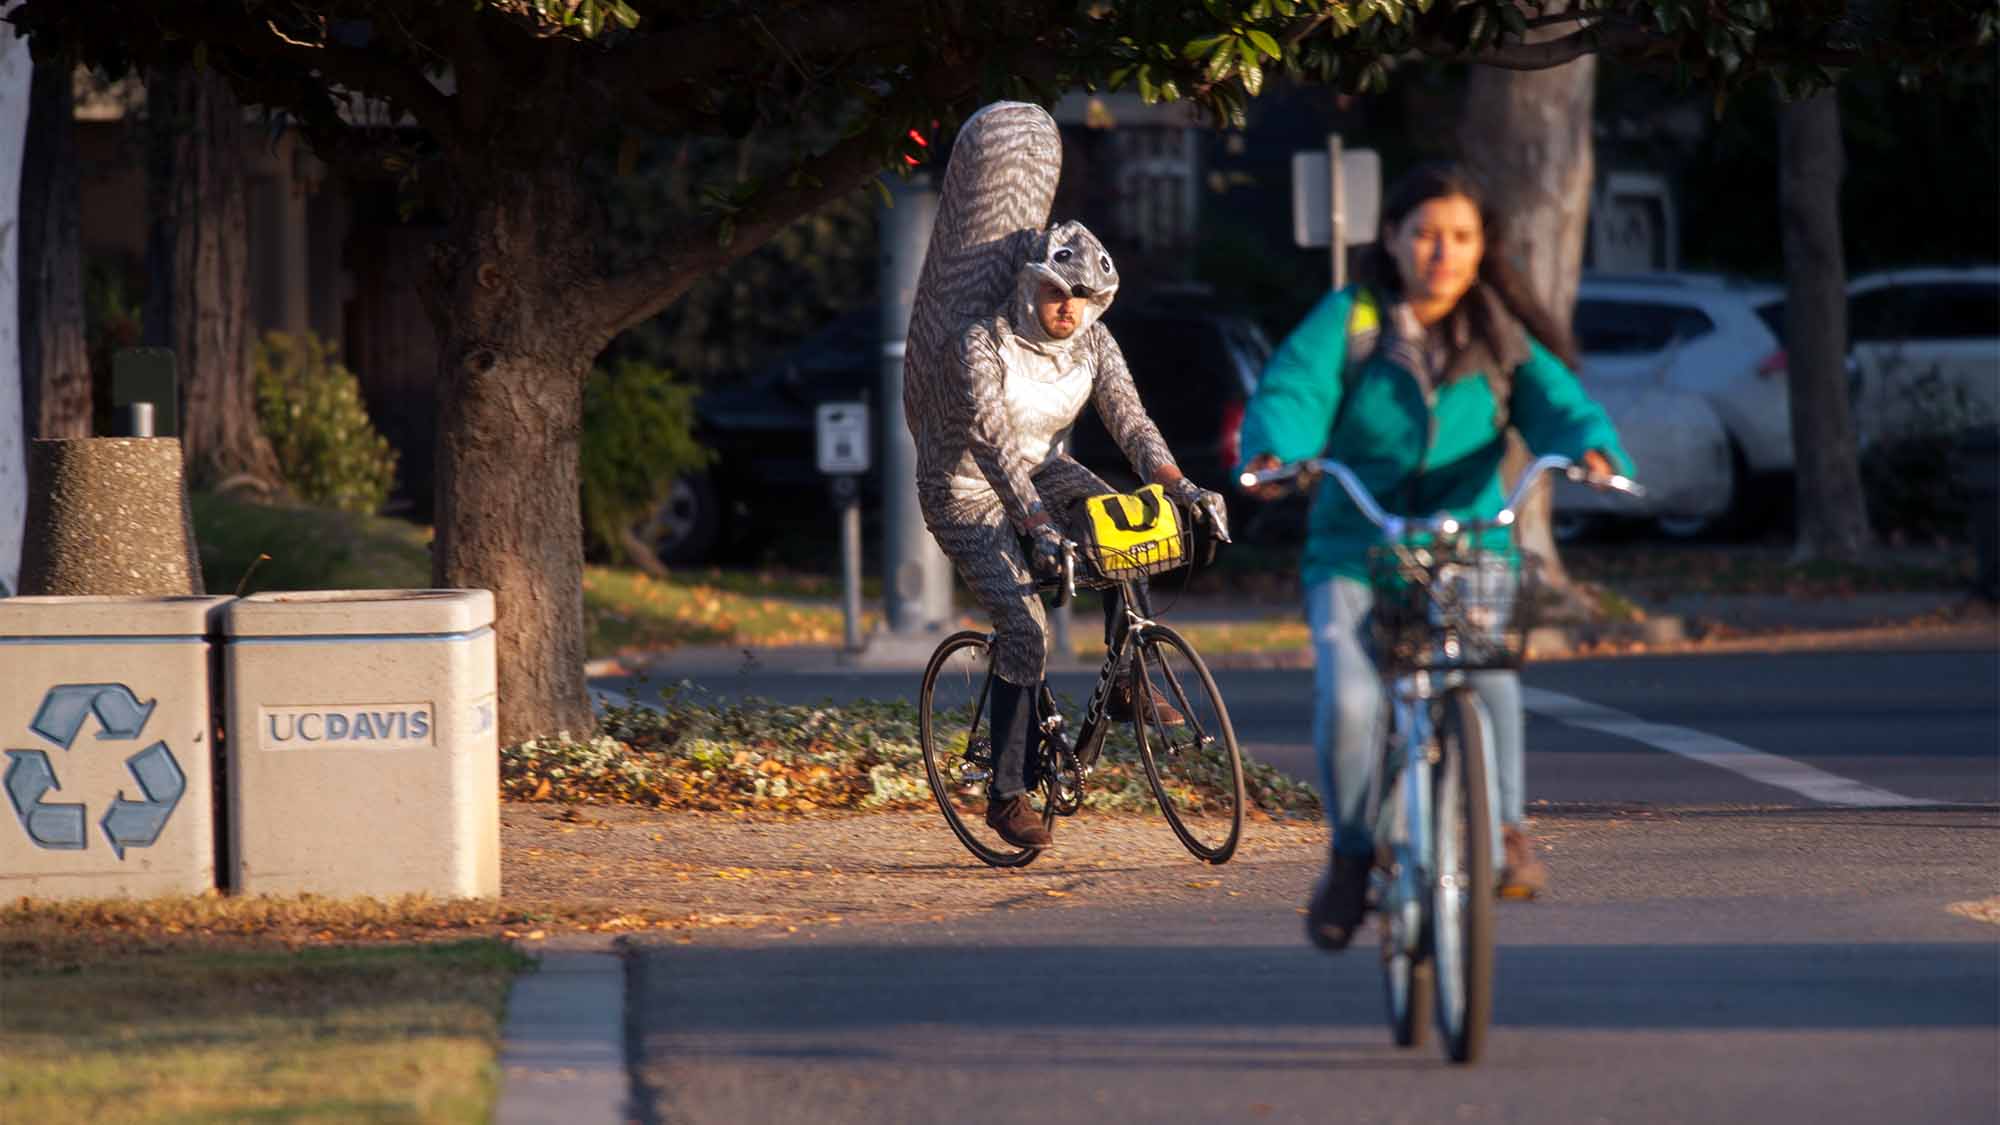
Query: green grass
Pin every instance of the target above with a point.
(385, 1033)
(322, 549)
(626, 609)
(308, 548)
(1656, 570)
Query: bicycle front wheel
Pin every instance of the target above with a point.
(1187, 745)
(1462, 847)
(958, 746)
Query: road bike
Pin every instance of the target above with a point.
(1192, 765)
(1450, 599)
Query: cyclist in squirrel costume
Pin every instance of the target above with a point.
(1412, 379)
(1005, 349)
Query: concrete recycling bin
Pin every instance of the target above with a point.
(363, 743)
(106, 741)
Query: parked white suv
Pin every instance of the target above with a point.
(1699, 334)
(1926, 350)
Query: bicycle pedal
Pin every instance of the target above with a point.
(974, 773)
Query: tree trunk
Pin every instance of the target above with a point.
(55, 359)
(1526, 134)
(516, 345)
(15, 79)
(197, 267)
(1833, 512)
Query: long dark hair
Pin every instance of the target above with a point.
(1439, 180)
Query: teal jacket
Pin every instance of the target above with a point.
(1418, 458)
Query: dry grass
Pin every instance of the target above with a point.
(108, 1023)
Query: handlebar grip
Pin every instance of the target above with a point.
(1066, 591)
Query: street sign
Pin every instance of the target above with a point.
(843, 438)
(1360, 197)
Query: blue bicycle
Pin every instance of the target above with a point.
(1449, 600)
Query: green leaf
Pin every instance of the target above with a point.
(1253, 79)
(1265, 43)
(1170, 90)
(1512, 19)
(1475, 37)
(1147, 93)
(1221, 65)
(1196, 48)
(882, 190)
(624, 13)
(1117, 77)
(591, 17)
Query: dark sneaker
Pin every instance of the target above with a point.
(1338, 903)
(1119, 706)
(1521, 874)
(1017, 822)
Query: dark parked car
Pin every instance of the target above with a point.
(1195, 369)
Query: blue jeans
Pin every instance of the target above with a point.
(1351, 715)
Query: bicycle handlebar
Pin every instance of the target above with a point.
(1396, 527)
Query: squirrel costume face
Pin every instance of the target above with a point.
(1071, 259)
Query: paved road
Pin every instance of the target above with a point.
(1918, 725)
(1735, 937)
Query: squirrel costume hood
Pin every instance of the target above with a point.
(1071, 258)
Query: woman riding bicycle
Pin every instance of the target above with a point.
(1412, 379)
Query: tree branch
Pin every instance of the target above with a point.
(709, 50)
(355, 69)
(695, 250)
(628, 298)
(1613, 35)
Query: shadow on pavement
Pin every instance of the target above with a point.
(700, 993)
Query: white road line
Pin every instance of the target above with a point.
(1770, 769)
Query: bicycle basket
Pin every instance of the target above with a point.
(1438, 609)
(1122, 537)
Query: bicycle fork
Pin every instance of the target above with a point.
(1405, 819)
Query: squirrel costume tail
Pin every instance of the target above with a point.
(998, 189)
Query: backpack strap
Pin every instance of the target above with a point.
(1364, 331)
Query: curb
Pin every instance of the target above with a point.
(562, 1055)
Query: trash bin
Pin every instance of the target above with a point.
(107, 730)
(362, 748)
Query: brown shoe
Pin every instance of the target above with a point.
(1119, 707)
(1017, 822)
(1521, 874)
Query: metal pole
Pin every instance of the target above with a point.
(850, 563)
(916, 577)
(1059, 619)
(1336, 226)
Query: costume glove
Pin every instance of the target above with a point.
(1207, 506)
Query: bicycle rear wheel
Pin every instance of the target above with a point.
(958, 748)
(1193, 765)
(1462, 885)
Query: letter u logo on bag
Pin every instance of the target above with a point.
(1115, 511)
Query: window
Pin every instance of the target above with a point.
(1878, 315)
(1615, 327)
(1960, 310)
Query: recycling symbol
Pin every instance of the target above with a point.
(121, 717)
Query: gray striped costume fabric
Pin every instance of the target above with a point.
(990, 397)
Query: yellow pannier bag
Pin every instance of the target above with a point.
(1130, 535)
